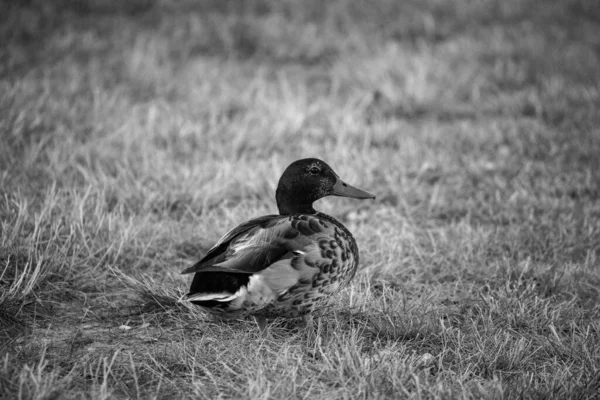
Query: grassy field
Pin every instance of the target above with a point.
(134, 134)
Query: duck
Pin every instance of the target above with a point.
(282, 265)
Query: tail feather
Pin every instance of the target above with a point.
(217, 291)
(221, 297)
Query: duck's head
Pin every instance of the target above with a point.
(308, 180)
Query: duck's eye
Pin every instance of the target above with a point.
(314, 170)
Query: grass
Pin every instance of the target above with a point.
(134, 136)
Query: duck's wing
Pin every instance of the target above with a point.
(257, 244)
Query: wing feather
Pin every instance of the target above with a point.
(257, 244)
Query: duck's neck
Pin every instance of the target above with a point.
(291, 201)
(289, 209)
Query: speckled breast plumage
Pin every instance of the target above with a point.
(336, 267)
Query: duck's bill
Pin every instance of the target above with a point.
(341, 188)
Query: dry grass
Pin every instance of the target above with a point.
(134, 136)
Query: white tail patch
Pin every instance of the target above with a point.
(222, 296)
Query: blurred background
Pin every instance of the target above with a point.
(445, 109)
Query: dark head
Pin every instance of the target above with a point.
(306, 181)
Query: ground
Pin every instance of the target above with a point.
(135, 134)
